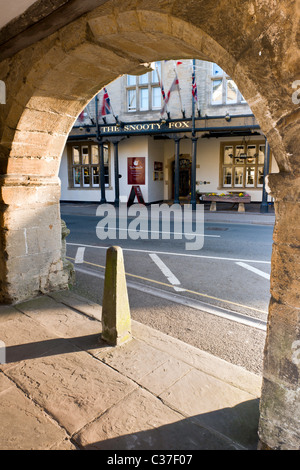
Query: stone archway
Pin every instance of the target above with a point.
(48, 84)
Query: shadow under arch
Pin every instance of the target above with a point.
(225, 429)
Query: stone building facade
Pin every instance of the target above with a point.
(217, 117)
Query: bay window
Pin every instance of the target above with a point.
(242, 165)
(84, 165)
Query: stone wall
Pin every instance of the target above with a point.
(49, 83)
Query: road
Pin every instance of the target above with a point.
(215, 298)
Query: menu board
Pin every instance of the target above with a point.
(136, 170)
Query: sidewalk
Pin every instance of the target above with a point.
(251, 215)
(225, 212)
(62, 388)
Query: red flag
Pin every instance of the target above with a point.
(81, 116)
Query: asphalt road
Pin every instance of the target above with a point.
(215, 298)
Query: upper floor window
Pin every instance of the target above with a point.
(143, 92)
(223, 88)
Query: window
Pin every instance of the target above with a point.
(143, 92)
(156, 97)
(242, 165)
(223, 88)
(131, 80)
(131, 100)
(85, 165)
(144, 99)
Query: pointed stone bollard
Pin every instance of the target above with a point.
(116, 321)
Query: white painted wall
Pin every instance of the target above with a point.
(208, 158)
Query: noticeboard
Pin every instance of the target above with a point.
(136, 170)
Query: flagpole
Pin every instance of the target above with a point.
(101, 155)
(193, 101)
(182, 110)
(162, 92)
(194, 147)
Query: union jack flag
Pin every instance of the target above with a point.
(163, 92)
(106, 106)
(194, 87)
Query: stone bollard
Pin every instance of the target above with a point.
(67, 265)
(116, 322)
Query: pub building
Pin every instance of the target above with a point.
(174, 134)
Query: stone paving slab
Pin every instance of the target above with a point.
(62, 387)
(23, 424)
(148, 424)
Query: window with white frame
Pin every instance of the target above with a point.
(143, 92)
(84, 165)
(242, 164)
(223, 88)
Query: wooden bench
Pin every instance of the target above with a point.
(240, 200)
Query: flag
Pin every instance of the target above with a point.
(81, 116)
(163, 91)
(194, 87)
(174, 86)
(106, 106)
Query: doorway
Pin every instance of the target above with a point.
(184, 176)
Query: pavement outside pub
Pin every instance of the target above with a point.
(63, 388)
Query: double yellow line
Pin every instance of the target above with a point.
(186, 290)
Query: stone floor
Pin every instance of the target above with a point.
(63, 388)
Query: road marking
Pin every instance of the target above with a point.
(186, 290)
(166, 271)
(174, 254)
(79, 258)
(254, 270)
(170, 233)
(191, 303)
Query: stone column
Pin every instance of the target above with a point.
(193, 173)
(116, 167)
(31, 244)
(279, 407)
(102, 174)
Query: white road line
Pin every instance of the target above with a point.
(80, 255)
(174, 254)
(171, 233)
(254, 270)
(166, 271)
(186, 301)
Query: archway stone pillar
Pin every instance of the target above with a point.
(31, 240)
(279, 407)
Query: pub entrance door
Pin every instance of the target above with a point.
(184, 177)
